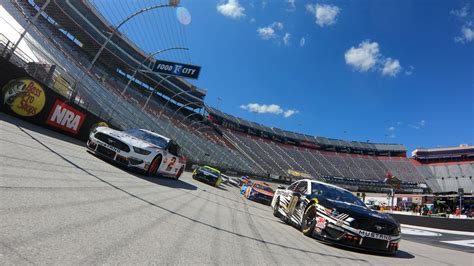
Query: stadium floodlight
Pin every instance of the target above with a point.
(181, 107)
(153, 91)
(146, 59)
(30, 22)
(169, 99)
(172, 3)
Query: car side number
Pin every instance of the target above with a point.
(292, 204)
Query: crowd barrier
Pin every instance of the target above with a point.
(25, 97)
(466, 225)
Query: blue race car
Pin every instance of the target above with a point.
(244, 187)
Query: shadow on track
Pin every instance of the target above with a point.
(38, 129)
(158, 180)
(165, 181)
(400, 254)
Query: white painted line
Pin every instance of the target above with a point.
(466, 243)
(461, 233)
(418, 232)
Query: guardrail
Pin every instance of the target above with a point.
(466, 225)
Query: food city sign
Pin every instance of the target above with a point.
(177, 69)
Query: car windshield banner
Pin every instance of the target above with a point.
(177, 69)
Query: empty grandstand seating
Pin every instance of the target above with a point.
(278, 158)
(347, 162)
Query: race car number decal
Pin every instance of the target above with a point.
(374, 235)
(171, 164)
(320, 222)
(108, 146)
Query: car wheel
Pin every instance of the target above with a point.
(155, 165)
(276, 209)
(308, 223)
(180, 172)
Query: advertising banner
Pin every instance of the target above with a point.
(29, 99)
(177, 69)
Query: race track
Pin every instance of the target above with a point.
(61, 205)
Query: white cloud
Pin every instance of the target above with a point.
(262, 108)
(291, 5)
(467, 30)
(266, 33)
(392, 128)
(269, 32)
(231, 9)
(289, 113)
(286, 39)
(325, 14)
(277, 25)
(252, 20)
(409, 71)
(302, 41)
(367, 57)
(467, 35)
(391, 67)
(364, 57)
(460, 13)
(419, 125)
(268, 109)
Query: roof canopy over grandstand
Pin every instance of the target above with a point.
(84, 22)
(303, 139)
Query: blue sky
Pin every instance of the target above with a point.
(385, 71)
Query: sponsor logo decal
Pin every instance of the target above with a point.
(320, 222)
(24, 96)
(374, 235)
(108, 146)
(65, 117)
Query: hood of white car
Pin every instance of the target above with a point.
(136, 142)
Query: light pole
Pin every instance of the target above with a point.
(153, 91)
(146, 59)
(138, 68)
(169, 99)
(181, 107)
(28, 27)
(172, 3)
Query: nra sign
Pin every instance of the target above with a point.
(65, 117)
(177, 69)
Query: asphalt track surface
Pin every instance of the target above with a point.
(61, 205)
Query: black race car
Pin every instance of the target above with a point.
(208, 175)
(333, 214)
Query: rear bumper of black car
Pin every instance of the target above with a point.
(208, 179)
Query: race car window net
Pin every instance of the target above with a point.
(335, 194)
(301, 187)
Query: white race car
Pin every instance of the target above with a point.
(138, 149)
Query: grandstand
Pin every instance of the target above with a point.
(447, 169)
(173, 107)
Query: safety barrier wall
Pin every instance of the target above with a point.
(436, 222)
(29, 99)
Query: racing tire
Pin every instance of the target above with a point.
(276, 209)
(180, 172)
(154, 166)
(308, 223)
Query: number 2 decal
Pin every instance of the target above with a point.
(171, 164)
